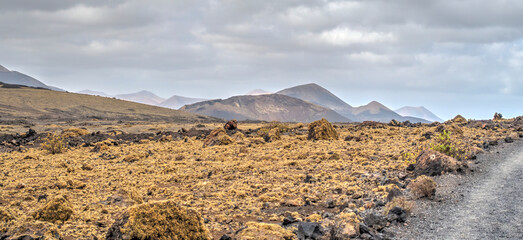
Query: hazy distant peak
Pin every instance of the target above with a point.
(94, 93)
(143, 96)
(3, 69)
(419, 112)
(376, 105)
(258, 92)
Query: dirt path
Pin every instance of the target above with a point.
(484, 205)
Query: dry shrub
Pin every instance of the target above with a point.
(164, 220)
(264, 231)
(423, 186)
(54, 144)
(58, 209)
(74, 132)
(322, 130)
(401, 202)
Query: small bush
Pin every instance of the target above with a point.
(56, 210)
(445, 145)
(423, 186)
(401, 202)
(54, 144)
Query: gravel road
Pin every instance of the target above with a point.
(487, 204)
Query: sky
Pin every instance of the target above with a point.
(453, 57)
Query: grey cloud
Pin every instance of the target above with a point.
(175, 47)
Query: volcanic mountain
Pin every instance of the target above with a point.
(17, 78)
(419, 112)
(318, 95)
(267, 107)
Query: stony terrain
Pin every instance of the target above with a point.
(483, 205)
(260, 181)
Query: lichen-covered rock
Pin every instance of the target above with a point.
(59, 209)
(264, 231)
(459, 119)
(344, 226)
(272, 135)
(159, 220)
(217, 137)
(322, 130)
(238, 137)
(432, 163)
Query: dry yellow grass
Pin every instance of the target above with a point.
(248, 180)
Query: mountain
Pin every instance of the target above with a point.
(375, 111)
(94, 93)
(144, 97)
(268, 107)
(176, 102)
(258, 92)
(20, 102)
(419, 112)
(17, 78)
(318, 95)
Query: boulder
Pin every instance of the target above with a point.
(217, 137)
(393, 193)
(231, 125)
(432, 163)
(310, 231)
(397, 214)
(158, 220)
(376, 221)
(497, 116)
(322, 130)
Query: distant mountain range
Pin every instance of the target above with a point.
(419, 112)
(374, 111)
(146, 97)
(14, 77)
(267, 107)
(303, 103)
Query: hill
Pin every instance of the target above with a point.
(419, 112)
(176, 101)
(268, 107)
(17, 78)
(318, 95)
(375, 111)
(144, 97)
(18, 102)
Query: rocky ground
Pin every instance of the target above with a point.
(259, 181)
(485, 204)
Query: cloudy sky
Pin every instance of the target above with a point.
(462, 56)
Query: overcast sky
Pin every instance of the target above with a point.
(460, 56)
